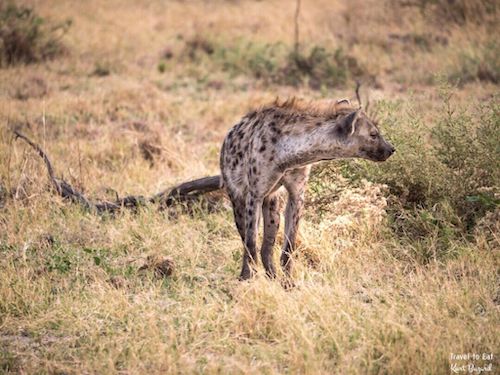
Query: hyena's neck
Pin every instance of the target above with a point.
(307, 148)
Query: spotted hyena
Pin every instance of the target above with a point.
(274, 147)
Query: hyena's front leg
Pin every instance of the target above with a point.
(292, 217)
(295, 183)
(271, 214)
(252, 212)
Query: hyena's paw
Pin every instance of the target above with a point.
(246, 274)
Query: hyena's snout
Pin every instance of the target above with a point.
(386, 151)
(380, 152)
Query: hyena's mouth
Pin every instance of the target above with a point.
(376, 155)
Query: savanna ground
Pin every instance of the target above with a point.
(398, 263)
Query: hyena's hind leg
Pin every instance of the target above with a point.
(253, 206)
(239, 219)
(239, 216)
(271, 214)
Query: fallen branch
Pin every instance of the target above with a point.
(188, 192)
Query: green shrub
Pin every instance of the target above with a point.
(325, 186)
(444, 176)
(25, 37)
(468, 145)
(319, 67)
(275, 62)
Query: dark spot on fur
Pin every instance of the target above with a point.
(274, 140)
(262, 148)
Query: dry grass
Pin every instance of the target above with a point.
(73, 296)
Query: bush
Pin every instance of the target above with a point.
(26, 37)
(319, 68)
(444, 176)
(276, 63)
(468, 145)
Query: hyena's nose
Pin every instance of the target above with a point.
(389, 149)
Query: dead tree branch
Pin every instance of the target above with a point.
(45, 158)
(189, 192)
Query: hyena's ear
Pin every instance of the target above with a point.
(347, 126)
(354, 120)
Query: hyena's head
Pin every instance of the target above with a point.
(363, 137)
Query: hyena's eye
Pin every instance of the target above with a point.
(374, 135)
